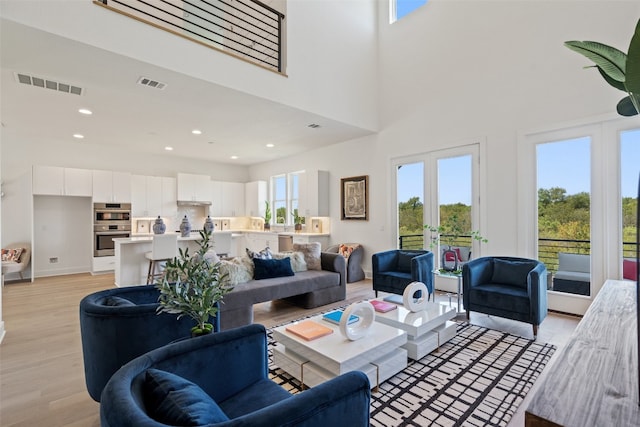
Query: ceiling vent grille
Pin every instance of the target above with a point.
(48, 84)
(145, 81)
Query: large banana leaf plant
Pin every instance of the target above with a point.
(621, 70)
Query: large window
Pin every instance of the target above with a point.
(439, 189)
(285, 197)
(410, 198)
(564, 213)
(401, 8)
(629, 171)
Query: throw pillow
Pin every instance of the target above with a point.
(511, 272)
(270, 268)
(12, 254)
(238, 270)
(346, 250)
(115, 301)
(311, 252)
(297, 260)
(263, 254)
(171, 399)
(212, 256)
(404, 261)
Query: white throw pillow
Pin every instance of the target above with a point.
(239, 270)
(311, 253)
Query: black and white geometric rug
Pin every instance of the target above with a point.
(479, 378)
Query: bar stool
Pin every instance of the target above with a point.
(164, 247)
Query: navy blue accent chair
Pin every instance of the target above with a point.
(508, 287)
(231, 368)
(393, 270)
(118, 325)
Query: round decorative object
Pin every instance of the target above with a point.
(354, 331)
(415, 304)
(185, 227)
(158, 226)
(449, 260)
(209, 226)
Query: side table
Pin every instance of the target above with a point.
(437, 273)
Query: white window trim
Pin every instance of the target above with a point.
(605, 196)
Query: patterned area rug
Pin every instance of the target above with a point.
(479, 378)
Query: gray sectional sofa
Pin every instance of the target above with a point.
(307, 289)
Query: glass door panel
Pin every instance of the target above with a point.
(564, 213)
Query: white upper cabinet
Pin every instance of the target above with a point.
(227, 199)
(152, 196)
(169, 207)
(255, 196)
(314, 193)
(111, 187)
(58, 181)
(194, 188)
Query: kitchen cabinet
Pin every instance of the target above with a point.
(169, 198)
(58, 181)
(255, 196)
(228, 199)
(111, 187)
(146, 196)
(194, 188)
(313, 193)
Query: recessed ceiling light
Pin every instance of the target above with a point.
(270, 145)
(196, 132)
(234, 157)
(78, 136)
(85, 111)
(168, 148)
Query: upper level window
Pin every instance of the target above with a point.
(401, 8)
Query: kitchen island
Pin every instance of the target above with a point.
(132, 266)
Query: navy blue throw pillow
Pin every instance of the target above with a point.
(511, 272)
(270, 268)
(171, 399)
(404, 261)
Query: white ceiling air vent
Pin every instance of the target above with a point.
(145, 81)
(48, 84)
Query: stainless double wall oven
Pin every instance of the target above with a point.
(110, 221)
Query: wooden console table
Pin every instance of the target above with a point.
(594, 381)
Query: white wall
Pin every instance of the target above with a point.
(459, 71)
(331, 51)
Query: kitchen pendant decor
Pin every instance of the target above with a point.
(185, 227)
(208, 225)
(159, 226)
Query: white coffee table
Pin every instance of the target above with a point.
(378, 354)
(426, 330)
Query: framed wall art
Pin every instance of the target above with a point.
(354, 198)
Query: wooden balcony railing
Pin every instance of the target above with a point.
(247, 29)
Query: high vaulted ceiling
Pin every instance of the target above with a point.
(131, 117)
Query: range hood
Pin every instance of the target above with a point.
(193, 203)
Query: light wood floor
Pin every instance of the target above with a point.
(41, 368)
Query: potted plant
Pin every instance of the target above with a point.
(193, 286)
(449, 233)
(297, 220)
(267, 216)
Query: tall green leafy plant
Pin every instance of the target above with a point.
(193, 285)
(621, 70)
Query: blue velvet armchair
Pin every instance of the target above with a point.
(228, 373)
(118, 325)
(393, 270)
(508, 287)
